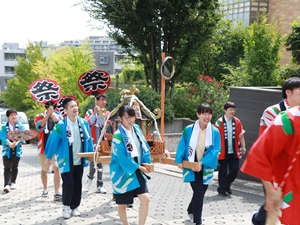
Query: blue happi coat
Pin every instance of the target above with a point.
(3, 136)
(122, 165)
(58, 143)
(210, 157)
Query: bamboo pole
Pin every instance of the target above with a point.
(162, 103)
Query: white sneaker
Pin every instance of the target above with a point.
(191, 217)
(66, 212)
(88, 183)
(6, 188)
(13, 185)
(101, 190)
(45, 193)
(76, 212)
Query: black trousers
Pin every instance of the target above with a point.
(196, 204)
(228, 170)
(72, 187)
(10, 169)
(99, 173)
(260, 217)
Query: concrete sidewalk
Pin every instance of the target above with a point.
(169, 200)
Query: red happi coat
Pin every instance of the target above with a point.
(270, 114)
(269, 158)
(92, 127)
(238, 133)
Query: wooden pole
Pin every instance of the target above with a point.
(162, 94)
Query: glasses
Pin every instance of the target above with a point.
(102, 99)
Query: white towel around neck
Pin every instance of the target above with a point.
(194, 139)
(134, 152)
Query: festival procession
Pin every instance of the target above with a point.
(117, 152)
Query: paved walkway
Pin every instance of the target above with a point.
(169, 199)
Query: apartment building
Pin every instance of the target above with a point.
(8, 60)
(106, 52)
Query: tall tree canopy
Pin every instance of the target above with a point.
(262, 52)
(225, 48)
(65, 65)
(148, 27)
(293, 41)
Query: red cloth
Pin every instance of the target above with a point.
(41, 136)
(271, 155)
(238, 133)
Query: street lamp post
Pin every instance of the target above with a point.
(167, 71)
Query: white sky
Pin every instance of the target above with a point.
(53, 21)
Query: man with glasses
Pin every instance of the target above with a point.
(96, 123)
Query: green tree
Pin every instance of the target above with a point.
(292, 42)
(224, 49)
(150, 27)
(17, 95)
(133, 71)
(65, 65)
(262, 52)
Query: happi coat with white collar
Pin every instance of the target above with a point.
(3, 136)
(210, 156)
(122, 164)
(58, 143)
(237, 132)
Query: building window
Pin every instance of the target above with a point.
(103, 60)
(13, 56)
(9, 70)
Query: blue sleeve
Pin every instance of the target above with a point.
(3, 136)
(90, 142)
(128, 165)
(38, 126)
(147, 157)
(52, 144)
(210, 158)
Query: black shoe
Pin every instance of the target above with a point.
(229, 191)
(223, 194)
(58, 197)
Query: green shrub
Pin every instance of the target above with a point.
(205, 90)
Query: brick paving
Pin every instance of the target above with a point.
(169, 199)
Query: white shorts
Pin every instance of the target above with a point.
(42, 159)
